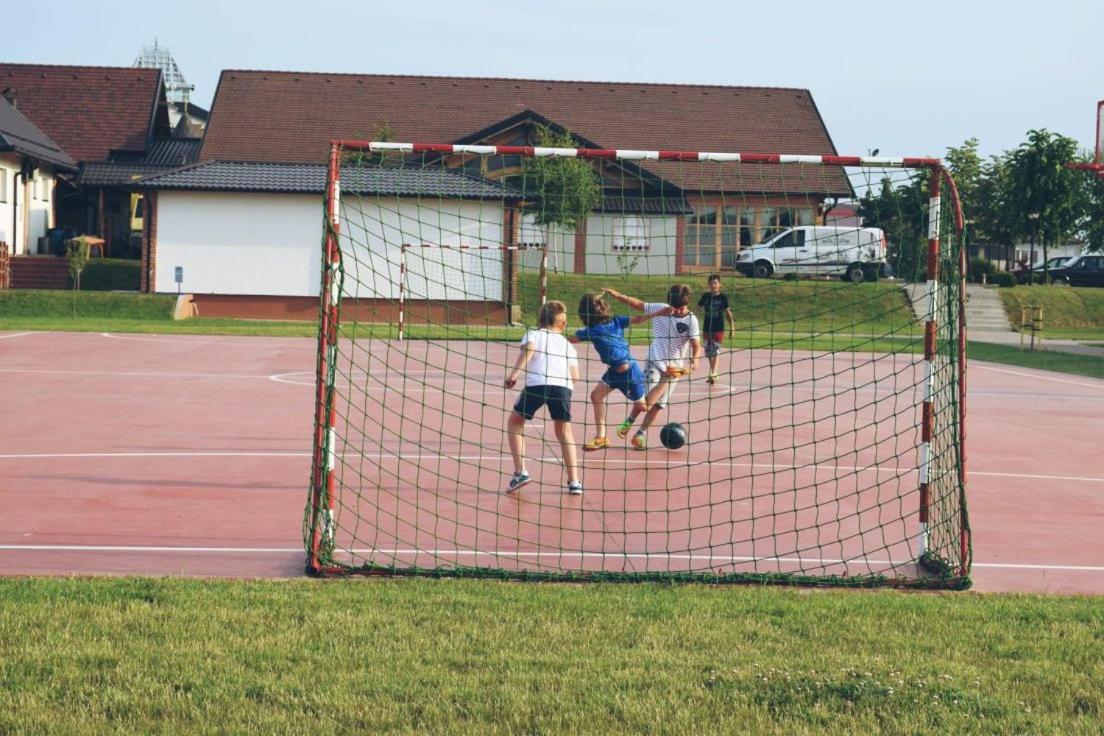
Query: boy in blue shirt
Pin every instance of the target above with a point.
(607, 333)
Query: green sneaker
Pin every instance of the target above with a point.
(639, 441)
(624, 427)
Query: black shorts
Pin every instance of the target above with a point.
(558, 399)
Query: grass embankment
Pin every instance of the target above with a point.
(758, 305)
(454, 656)
(1074, 313)
(1082, 365)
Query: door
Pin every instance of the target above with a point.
(786, 251)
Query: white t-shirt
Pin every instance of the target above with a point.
(671, 336)
(553, 358)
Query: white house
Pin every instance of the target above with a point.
(29, 163)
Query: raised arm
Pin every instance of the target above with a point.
(631, 301)
(524, 356)
(645, 317)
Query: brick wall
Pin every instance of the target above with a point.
(149, 244)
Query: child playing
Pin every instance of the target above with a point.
(607, 332)
(551, 365)
(674, 334)
(715, 312)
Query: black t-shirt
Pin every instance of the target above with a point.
(713, 311)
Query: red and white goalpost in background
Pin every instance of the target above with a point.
(1097, 164)
(939, 454)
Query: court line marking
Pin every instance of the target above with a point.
(865, 562)
(15, 334)
(454, 378)
(555, 460)
(132, 374)
(1041, 375)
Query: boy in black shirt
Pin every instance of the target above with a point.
(715, 311)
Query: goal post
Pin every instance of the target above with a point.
(826, 416)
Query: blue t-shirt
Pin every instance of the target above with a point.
(609, 340)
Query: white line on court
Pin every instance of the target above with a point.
(1041, 375)
(15, 334)
(133, 374)
(605, 461)
(864, 562)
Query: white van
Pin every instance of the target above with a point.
(854, 254)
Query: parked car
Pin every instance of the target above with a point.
(1081, 271)
(1025, 274)
(854, 254)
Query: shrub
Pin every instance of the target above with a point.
(789, 277)
(111, 274)
(979, 267)
(1003, 279)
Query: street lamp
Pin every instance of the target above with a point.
(1034, 217)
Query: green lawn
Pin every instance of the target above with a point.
(757, 304)
(1082, 365)
(486, 657)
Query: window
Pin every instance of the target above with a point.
(3, 186)
(700, 236)
(630, 233)
(46, 186)
(792, 239)
(531, 233)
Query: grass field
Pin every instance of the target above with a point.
(455, 656)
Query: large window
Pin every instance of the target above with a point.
(700, 237)
(630, 234)
(4, 186)
(531, 233)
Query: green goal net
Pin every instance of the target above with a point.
(542, 361)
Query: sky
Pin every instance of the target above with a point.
(907, 79)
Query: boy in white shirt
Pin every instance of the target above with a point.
(673, 336)
(551, 365)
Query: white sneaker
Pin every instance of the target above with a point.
(575, 489)
(517, 481)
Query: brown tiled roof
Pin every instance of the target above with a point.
(291, 117)
(88, 111)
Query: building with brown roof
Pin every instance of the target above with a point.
(30, 162)
(110, 121)
(681, 218)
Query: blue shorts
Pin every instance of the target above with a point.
(630, 382)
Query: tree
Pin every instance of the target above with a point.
(901, 211)
(566, 190)
(1043, 186)
(77, 253)
(997, 217)
(1093, 223)
(966, 167)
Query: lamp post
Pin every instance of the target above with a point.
(1034, 217)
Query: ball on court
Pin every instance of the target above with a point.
(673, 436)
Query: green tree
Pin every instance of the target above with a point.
(565, 190)
(901, 211)
(77, 253)
(1043, 186)
(1093, 224)
(996, 209)
(965, 165)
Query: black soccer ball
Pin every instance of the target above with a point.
(673, 436)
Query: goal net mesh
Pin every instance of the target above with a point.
(824, 421)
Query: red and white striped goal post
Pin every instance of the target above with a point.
(323, 472)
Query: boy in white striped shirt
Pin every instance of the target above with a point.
(673, 336)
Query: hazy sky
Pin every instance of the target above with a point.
(906, 78)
